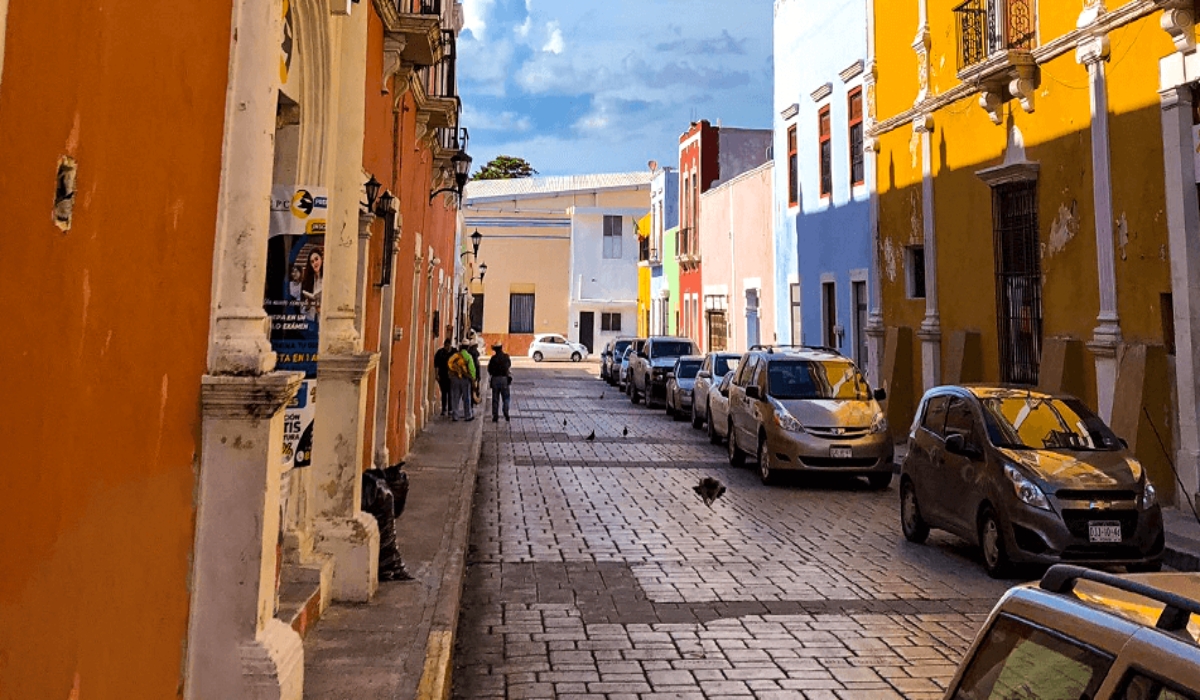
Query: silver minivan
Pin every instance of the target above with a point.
(808, 409)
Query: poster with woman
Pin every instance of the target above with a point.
(292, 298)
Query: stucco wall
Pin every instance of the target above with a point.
(105, 338)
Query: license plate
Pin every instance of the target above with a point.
(841, 452)
(1104, 531)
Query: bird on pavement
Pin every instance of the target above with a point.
(564, 422)
(601, 397)
(591, 436)
(625, 432)
(709, 490)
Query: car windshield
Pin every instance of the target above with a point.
(1023, 421)
(687, 370)
(621, 346)
(724, 365)
(816, 379)
(671, 348)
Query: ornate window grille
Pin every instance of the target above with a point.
(986, 27)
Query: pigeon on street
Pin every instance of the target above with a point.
(564, 422)
(601, 397)
(591, 436)
(625, 432)
(709, 490)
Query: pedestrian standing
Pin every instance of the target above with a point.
(500, 377)
(472, 347)
(462, 378)
(441, 363)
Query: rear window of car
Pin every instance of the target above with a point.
(1020, 660)
(671, 348)
(816, 379)
(724, 365)
(688, 370)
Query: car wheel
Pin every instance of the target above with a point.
(697, 421)
(537, 357)
(911, 523)
(576, 357)
(765, 472)
(713, 437)
(879, 481)
(737, 458)
(991, 541)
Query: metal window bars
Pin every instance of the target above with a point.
(1019, 313)
(419, 7)
(986, 27)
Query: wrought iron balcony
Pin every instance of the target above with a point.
(419, 7)
(988, 27)
(414, 27)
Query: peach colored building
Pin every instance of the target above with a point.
(736, 235)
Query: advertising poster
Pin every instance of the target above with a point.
(292, 299)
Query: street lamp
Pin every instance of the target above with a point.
(372, 188)
(476, 239)
(482, 272)
(462, 168)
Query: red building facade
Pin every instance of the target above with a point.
(699, 168)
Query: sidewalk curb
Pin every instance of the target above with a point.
(435, 681)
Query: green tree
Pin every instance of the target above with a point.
(505, 168)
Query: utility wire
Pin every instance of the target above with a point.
(1171, 462)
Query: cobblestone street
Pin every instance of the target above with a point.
(596, 572)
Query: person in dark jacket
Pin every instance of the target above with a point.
(473, 350)
(500, 377)
(441, 363)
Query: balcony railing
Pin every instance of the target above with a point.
(419, 7)
(987, 27)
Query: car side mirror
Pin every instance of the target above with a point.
(753, 393)
(880, 394)
(1124, 442)
(957, 444)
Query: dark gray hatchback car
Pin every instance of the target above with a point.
(1029, 477)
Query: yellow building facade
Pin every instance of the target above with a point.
(644, 300)
(1021, 208)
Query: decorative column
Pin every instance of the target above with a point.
(365, 220)
(235, 647)
(876, 331)
(930, 332)
(1183, 235)
(1106, 337)
(387, 325)
(341, 529)
(413, 329)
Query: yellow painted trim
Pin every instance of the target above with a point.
(435, 679)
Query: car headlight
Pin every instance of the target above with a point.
(1025, 489)
(1149, 496)
(786, 420)
(880, 424)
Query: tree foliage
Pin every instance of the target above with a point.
(505, 168)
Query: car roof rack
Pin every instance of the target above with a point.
(1061, 578)
(772, 347)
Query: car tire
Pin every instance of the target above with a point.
(576, 357)
(667, 407)
(991, 543)
(713, 437)
(679, 415)
(537, 357)
(879, 481)
(768, 475)
(914, 527)
(737, 458)
(697, 421)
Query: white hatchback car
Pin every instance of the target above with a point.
(552, 346)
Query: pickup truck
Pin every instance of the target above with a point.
(648, 369)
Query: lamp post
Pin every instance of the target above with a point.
(372, 188)
(462, 169)
(476, 239)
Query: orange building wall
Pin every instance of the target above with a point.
(104, 339)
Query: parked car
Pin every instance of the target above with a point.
(808, 409)
(648, 369)
(1081, 633)
(610, 358)
(718, 409)
(680, 380)
(552, 346)
(716, 365)
(1029, 477)
(623, 366)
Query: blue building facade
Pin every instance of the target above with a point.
(821, 204)
(664, 216)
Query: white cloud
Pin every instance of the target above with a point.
(475, 16)
(555, 44)
(482, 120)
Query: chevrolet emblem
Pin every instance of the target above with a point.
(838, 431)
(1100, 505)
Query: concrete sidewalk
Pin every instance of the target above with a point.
(399, 646)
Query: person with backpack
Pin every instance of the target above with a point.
(462, 379)
(500, 377)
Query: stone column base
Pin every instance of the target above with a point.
(273, 664)
(353, 542)
(1104, 350)
(931, 356)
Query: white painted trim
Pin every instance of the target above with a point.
(721, 290)
(828, 278)
(861, 274)
(852, 71)
(789, 113)
(822, 93)
(752, 283)
(793, 278)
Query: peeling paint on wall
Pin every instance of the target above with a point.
(1064, 228)
(889, 259)
(917, 231)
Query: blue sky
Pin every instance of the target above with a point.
(591, 86)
